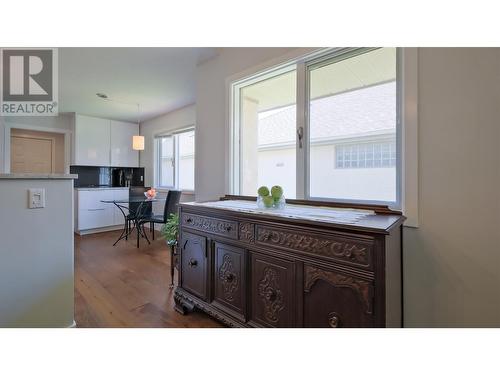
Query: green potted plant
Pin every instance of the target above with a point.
(170, 231)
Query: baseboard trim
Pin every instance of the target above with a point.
(98, 230)
(109, 229)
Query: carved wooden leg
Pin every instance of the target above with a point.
(172, 266)
(182, 305)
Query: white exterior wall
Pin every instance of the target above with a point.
(349, 183)
(326, 180)
(270, 174)
(186, 164)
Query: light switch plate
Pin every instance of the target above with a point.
(36, 198)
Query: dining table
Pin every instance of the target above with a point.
(136, 215)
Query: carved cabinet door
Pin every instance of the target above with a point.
(336, 300)
(272, 283)
(194, 264)
(229, 279)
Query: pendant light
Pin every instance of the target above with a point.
(138, 140)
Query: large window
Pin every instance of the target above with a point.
(267, 122)
(175, 161)
(325, 128)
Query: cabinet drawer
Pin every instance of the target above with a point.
(336, 300)
(194, 264)
(91, 199)
(229, 279)
(95, 218)
(224, 228)
(273, 302)
(352, 250)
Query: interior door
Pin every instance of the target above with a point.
(32, 155)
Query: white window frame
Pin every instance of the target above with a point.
(158, 161)
(236, 142)
(176, 158)
(407, 126)
(339, 55)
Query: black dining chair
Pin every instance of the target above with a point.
(147, 208)
(171, 207)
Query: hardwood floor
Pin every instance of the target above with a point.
(123, 286)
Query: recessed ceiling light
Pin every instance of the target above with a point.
(102, 96)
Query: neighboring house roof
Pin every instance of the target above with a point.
(371, 110)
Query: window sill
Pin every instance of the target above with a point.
(184, 192)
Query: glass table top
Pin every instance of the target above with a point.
(131, 200)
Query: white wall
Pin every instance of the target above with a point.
(36, 255)
(452, 261)
(63, 122)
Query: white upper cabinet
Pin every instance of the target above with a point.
(104, 143)
(92, 138)
(122, 154)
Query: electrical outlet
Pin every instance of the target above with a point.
(36, 198)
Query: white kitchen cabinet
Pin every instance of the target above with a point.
(122, 154)
(91, 212)
(104, 143)
(91, 143)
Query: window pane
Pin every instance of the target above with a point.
(352, 106)
(166, 159)
(267, 134)
(186, 160)
(365, 155)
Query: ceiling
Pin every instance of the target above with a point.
(159, 79)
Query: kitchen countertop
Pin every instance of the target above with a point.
(37, 176)
(102, 188)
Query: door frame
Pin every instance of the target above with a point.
(41, 138)
(7, 134)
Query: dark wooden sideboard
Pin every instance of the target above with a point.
(251, 269)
